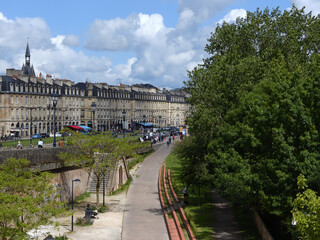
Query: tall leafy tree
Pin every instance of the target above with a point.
(99, 153)
(255, 107)
(194, 167)
(27, 199)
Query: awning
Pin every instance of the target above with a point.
(146, 124)
(80, 128)
(86, 128)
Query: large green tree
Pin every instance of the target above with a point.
(99, 153)
(27, 199)
(255, 105)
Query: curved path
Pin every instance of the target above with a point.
(143, 216)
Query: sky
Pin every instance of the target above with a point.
(124, 41)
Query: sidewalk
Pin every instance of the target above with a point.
(143, 216)
(109, 225)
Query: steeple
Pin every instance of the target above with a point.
(26, 68)
(27, 56)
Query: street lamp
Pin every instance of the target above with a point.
(159, 121)
(144, 121)
(104, 187)
(93, 107)
(124, 120)
(75, 180)
(30, 127)
(54, 98)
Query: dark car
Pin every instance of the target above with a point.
(36, 135)
(45, 135)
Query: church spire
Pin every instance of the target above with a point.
(27, 56)
(26, 68)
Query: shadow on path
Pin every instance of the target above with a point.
(224, 225)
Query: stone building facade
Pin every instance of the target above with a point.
(25, 101)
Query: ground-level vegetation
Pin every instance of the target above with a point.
(199, 209)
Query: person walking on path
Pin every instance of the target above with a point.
(19, 146)
(40, 143)
(60, 144)
(143, 216)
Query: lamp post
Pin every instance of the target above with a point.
(75, 180)
(144, 121)
(54, 98)
(124, 121)
(93, 107)
(63, 121)
(159, 121)
(104, 187)
(30, 127)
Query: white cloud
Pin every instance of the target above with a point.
(71, 41)
(202, 9)
(121, 73)
(49, 55)
(311, 5)
(3, 18)
(110, 34)
(16, 33)
(233, 15)
(161, 55)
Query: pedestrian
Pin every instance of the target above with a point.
(40, 143)
(19, 146)
(60, 144)
(173, 137)
(185, 194)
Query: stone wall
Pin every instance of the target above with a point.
(63, 181)
(36, 156)
(265, 234)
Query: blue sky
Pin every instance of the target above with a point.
(121, 41)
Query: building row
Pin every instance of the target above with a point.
(26, 105)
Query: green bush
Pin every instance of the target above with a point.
(82, 196)
(103, 209)
(61, 238)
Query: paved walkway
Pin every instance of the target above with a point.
(224, 225)
(135, 215)
(143, 217)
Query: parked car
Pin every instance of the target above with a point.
(45, 135)
(36, 135)
(66, 134)
(57, 134)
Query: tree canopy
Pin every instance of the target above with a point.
(27, 199)
(255, 106)
(99, 153)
